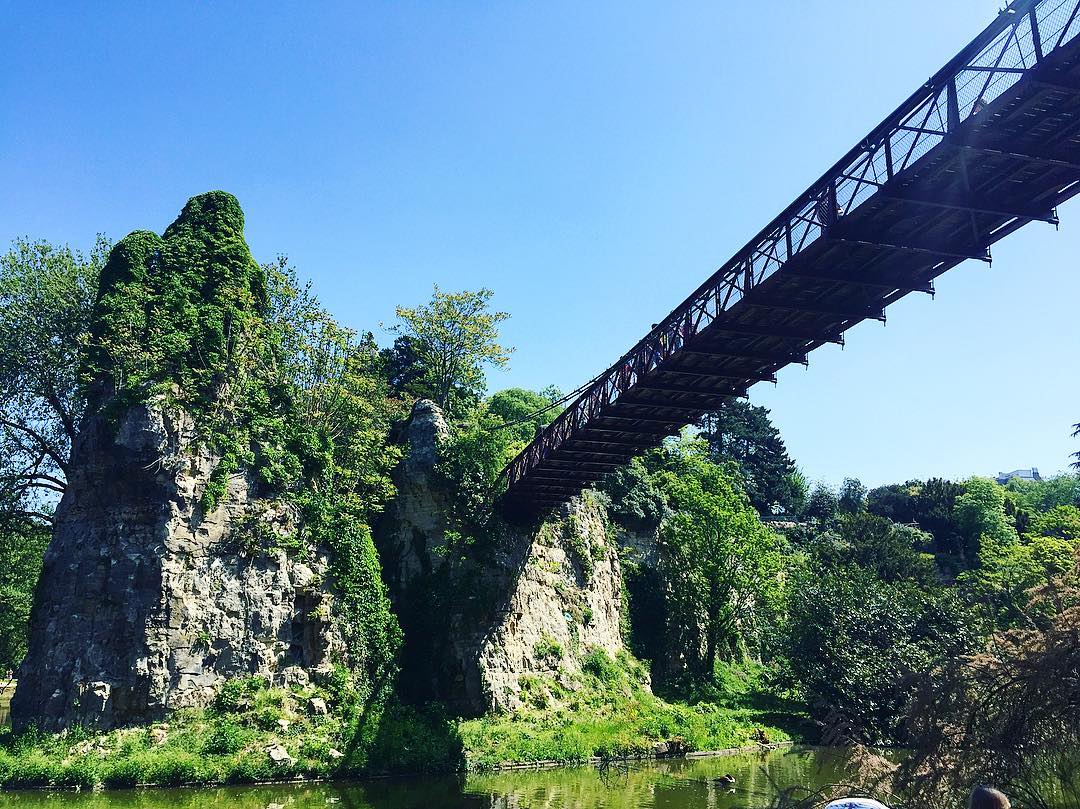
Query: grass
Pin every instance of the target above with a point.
(607, 710)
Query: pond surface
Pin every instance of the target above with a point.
(671, 784)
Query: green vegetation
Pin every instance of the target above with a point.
(759, 609)
(607, 711)
(444, 345)
(742, 433)
(22, 546)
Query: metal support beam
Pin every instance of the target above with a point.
(734, 376)
(870, 282)
(560, 475)
(892, 243)
(657, 434)
(758, 357)
(588, 456)
(586, 466)
(667, 387)
(643, 420)
(667, 406)
(607, 442)
(1023, 156)
(820, 309)
(779, 333)
(969, 203)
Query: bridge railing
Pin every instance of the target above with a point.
(1023, 36)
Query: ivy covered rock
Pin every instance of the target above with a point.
(215, 521)
(486, 616)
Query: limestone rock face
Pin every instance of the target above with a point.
(479, 619)
(145, 603)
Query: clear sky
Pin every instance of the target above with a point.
(590, 162)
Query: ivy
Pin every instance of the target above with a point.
(278, 391)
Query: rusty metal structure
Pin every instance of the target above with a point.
(988, 144)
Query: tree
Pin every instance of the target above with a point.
(454, 336)
(22, 547)
(717, 560)
(981, 519)
(852, 496)
(1076, 434)
(856, 644)
(404, 370)
(894, 552)
(743, 433)
(822, 505)
(929, 504)
(1062, 522)
(46, 300)
(1006, 714)
(1046, 494)
(524, 412)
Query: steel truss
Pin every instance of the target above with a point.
(945, 152)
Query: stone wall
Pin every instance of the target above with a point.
(147, 604)
(477, 619)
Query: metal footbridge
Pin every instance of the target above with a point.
(988, 144)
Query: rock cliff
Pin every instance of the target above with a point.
(147, 604)
(477, 620)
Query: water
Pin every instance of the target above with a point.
(663, 785)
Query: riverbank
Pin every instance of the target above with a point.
(686, 783)
(255, 734)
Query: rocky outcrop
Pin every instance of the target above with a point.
(479, 617)
(146, 603)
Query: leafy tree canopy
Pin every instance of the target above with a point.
(451, 339)
(22, 547)
(856, 644)
(929, 504)
(46, 300)
(717, 560)
(741, 432)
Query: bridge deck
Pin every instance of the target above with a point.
(989, 144)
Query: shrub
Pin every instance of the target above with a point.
(224, 738)
(599, 664)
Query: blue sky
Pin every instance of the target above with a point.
(591, 163)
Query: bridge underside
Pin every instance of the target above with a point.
(985, 173)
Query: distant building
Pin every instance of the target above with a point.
(1022, 474)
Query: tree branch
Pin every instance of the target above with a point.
(40, 439)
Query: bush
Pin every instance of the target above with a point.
(224, 738)
(599, 664)
(237, 695)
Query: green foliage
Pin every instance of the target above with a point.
(181, 309)
(823, 504)
(852, 498)
(930, 505)
(635, 501)
(478, 449)
(22, 546)
(854, 643)
(607, 713)
(548, 649)
(716, 558)
(453, 337)
(46, 300)
(1060, 522)
(599, 664)
(981, 520)
(893, 552)
(743, 433)
(1043, 495)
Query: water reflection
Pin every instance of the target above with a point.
(656, 785)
